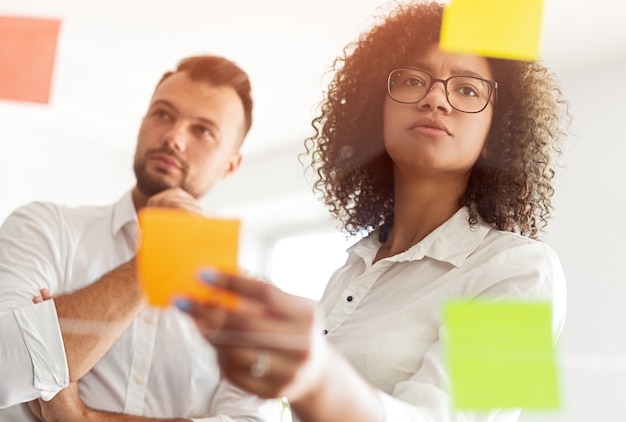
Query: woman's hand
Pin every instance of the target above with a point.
(270, 344)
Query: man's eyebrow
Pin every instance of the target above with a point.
(209, 122)
(205, 120)
(163, 102)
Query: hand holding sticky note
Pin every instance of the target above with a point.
(501, 355)
(176, 244)
(508, 29)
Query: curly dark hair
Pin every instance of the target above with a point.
(510, 187)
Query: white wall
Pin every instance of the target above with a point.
(39, 160)
(589, 234)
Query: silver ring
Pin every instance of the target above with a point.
(261, 365)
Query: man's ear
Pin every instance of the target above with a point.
(232, 165)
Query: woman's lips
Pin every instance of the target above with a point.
(431, 128)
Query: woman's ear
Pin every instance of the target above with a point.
(484, 153)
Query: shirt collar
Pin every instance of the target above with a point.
(451, 242)
(123, 213)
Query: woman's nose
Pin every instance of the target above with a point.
(436, 98)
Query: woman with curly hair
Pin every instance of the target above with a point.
(444, 163)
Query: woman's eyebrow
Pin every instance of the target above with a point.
(459, 71)
(467, 72)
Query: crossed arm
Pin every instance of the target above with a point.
(112, 303)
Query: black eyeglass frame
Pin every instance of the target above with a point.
(493, 85)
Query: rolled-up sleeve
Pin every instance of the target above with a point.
(32, 355)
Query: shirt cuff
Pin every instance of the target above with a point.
(39, 325)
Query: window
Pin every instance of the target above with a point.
(301, 264)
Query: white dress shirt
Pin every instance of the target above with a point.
(386, 317)
(160, 367)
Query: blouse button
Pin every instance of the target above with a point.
(349, 298)
(324, 332)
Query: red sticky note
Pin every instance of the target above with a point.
(27, 52)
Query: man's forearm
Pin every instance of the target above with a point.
(101, 416)
(97, 416)
(68, 407)
(92, 319)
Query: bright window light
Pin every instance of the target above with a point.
(302, 264)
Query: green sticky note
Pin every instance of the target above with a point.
(507, 29)
(500, 355)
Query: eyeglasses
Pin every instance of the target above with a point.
(468, 94)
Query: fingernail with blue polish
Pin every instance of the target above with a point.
(208, 276)
(182, 304)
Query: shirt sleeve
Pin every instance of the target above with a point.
(31, 335)
(530, 271)
(424, 397)
(397, 410)
(231, 404)
(33, 345)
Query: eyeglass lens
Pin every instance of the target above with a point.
(464, 93)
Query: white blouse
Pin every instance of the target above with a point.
(386, 317)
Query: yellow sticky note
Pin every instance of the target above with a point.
(500, 355)
(27, 54)
(174, 245)
(507, 29)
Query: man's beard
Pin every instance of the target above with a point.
(150, 186)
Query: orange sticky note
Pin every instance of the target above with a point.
(507, 29)
(27, 53)
(174, 245)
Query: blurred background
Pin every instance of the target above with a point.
(78, 149)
